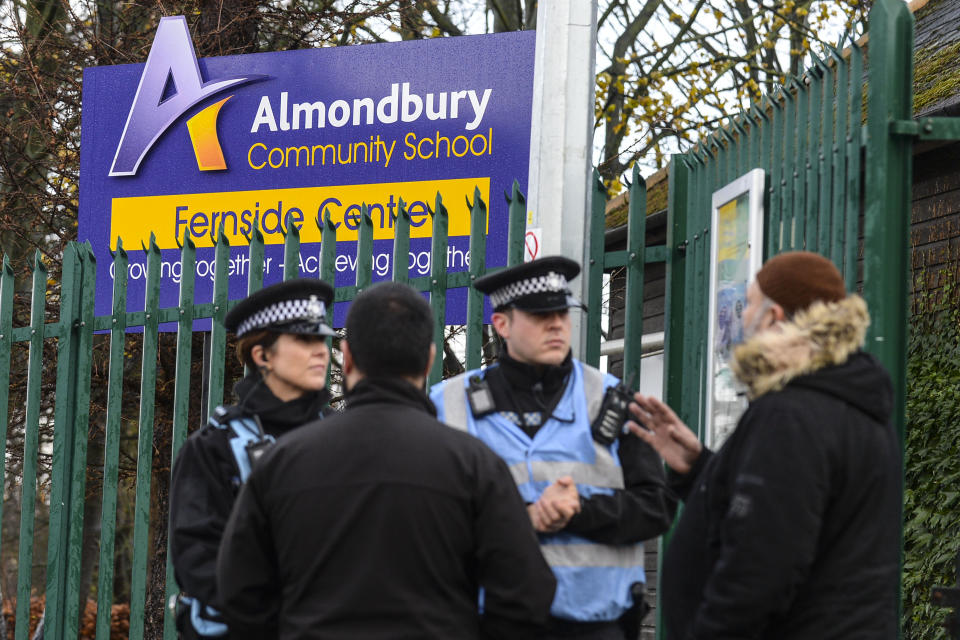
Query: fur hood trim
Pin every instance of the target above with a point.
(824, 334)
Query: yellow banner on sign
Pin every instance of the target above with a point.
(201, 214)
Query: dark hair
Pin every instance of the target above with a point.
(246, 344)
(390, 330)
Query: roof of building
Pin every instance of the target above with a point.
(936, 51)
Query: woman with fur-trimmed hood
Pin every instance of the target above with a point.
(792, 529)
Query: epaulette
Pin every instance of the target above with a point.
(223, 414)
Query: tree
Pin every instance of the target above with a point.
(669, 72)
(675, 71)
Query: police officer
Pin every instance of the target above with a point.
(281, 336)
(593, 502)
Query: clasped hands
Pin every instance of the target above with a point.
(653, 422)
(555, 507)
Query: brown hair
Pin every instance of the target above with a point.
(249, 340)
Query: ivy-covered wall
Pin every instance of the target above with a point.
(932, 454)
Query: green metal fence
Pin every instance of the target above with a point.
(807, 137)
(836, 184)
(73, 334)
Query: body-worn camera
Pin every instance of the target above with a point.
(480, 397)
(608, 424)
(255, 450)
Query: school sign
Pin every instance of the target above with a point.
(180, 147)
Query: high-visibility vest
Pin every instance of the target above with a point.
(593, 580)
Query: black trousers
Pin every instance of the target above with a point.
(568, 630)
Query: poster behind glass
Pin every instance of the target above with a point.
(736, 254)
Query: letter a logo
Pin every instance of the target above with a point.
(172, 60)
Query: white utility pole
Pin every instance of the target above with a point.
(561, 135)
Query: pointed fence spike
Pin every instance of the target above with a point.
(222, 234)
(843, 36)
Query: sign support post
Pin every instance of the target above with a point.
(561, 136)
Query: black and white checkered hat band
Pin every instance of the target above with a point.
(550, 283)
(283, 312)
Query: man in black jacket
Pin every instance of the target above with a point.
(383, 522)
(792, 529)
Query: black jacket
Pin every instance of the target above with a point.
(791, 531)
(382, 524)
(206, 480)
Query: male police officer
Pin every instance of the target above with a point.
(593, 500)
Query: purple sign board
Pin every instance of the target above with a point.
(181, 146)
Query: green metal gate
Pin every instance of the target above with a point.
(809, 137)
(836, 185)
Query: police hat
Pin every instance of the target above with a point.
(537, 286)
(295, 306)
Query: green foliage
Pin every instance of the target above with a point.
(932, 460)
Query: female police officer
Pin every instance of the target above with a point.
(281, 333)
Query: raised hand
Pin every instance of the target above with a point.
(657, 425)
